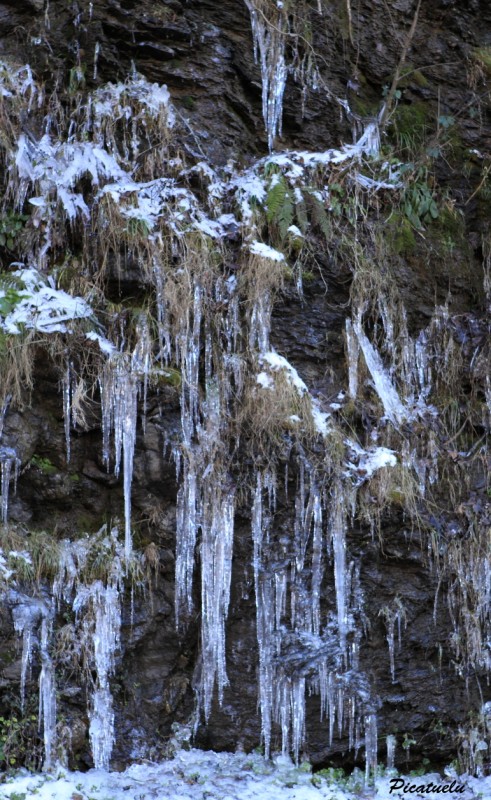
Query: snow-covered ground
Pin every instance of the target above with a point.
(199, 775)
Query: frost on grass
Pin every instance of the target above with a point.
(274, 365)
(35, 304)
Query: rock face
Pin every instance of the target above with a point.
(422, 596)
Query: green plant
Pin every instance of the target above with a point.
(421, 770)
(279, 205)
(76, 78)
(44, 465)
(10, 299)
(138, 228)
(11, 226)
(188, 102)
(418, 200)
(410, 125)
(482, 55)
(19, 743)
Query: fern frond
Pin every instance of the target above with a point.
(279, 206)
(275, 198)
(302, 217)
(320, 216)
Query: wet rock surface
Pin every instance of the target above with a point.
(204, 54)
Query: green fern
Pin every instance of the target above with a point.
(285, 216)
(276, 197)
(302, 217)
(279, 206)
(319, 215)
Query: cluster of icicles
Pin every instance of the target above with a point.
(302, 648)
(95, 637)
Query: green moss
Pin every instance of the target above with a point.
(138, 228)
(401, 234)
(364, 107)
(419, 79)
(44, 465)
(167, 376)
(410, 126)
(451, 222)
(188, 102)
(483, 56)
(411, 76)
(453, 145)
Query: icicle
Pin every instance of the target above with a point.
(269, 41)
(190, 341)
(102, 624)
(141, 358)
(47, 694)
(216, 571)
(162, 322)
(316, 559)
(119, 393)
(391, 749)
(186, 531)
(338, 536)
(3, 412)
(369, 141)
(97, 49)
(264, 619)
(393, 407)
(353, 349)
(27, 614)
(371, 743)
(393, 616)
(390, 641)
(351, 722)
(8, 459)
(107, 387)
(298, 715)
(260, 323)
(67, 407)
(129, 439)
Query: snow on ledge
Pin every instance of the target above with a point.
(265, 251)
(364, 463)
(276, 363)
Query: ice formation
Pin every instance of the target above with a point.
(213, 330)
(300, 649)
(391, 750)
(47, 692)
(269, 44)
(393, 406)
(120, 382)
(33, 620)
(102, 624)
(8, 462)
